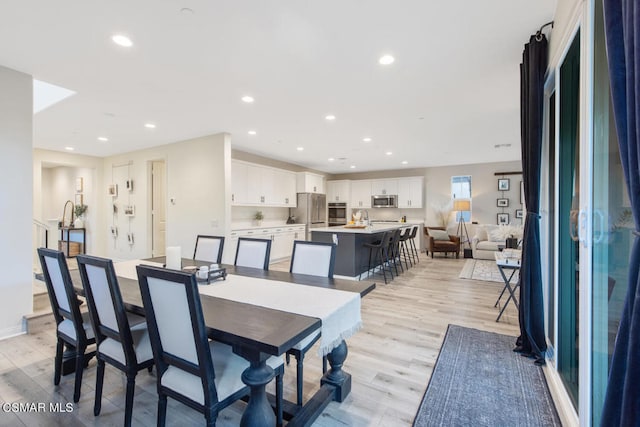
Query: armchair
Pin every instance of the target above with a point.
(438, 240)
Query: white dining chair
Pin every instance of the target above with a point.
(73, 328)
(209, 248)
(122, 337)
(204, 375)
(315, 259)
(253, 253)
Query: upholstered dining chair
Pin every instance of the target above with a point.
(209, 248)
(253, 253)
(315, 259)
(204, 375)
(122, 338)
(73, 328)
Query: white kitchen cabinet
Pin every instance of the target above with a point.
(384, 187)
(281, 241)
(310, 183)
(410, 192)
(360, 194)
(257, 185)
(338, 191)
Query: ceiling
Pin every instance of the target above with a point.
(450, 97)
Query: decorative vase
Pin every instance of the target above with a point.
(78, 223)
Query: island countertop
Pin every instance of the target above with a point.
(371, 229)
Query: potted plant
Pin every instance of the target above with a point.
(258, 217)
(79, 211)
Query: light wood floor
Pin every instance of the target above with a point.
(390, 359)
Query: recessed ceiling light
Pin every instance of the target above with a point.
(186, 11)
(103, 138)
(300, 148)
(352, 166)
(252, 132)
(330, 117)
(331, 159)
(367, 139)
(386, 60)
(388, 153)
(69, 148)
(248, 99)
(149, 125)
(404, 162)
(121, 40)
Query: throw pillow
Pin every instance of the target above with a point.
(438, 234)
(481, 234)
(496, 236)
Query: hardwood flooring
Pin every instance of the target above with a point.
(390, 359)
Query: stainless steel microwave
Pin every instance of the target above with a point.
(385, 201)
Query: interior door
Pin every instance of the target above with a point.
(158, 208)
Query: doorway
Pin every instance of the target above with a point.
(158, 207)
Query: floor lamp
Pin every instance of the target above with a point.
(462, 205)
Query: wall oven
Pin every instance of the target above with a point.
(337, 214)
(385, 201)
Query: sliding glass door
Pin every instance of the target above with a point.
(568, 181)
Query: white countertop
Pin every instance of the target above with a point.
(374, 228)
(246, 226)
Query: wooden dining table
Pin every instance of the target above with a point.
(257, 333)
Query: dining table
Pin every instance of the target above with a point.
(257, 332)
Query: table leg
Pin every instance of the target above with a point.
(336, 376)
(258, 411)
(504, 278)
(507, 286)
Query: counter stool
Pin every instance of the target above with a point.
(414, 249)
(394, 250)
(381, 254)
(404, 248)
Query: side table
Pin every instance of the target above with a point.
(508, 260)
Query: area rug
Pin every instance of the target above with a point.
(482, 269)
(478, 380)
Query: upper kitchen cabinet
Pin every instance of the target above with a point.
(257, 185)
(384, 187)
(310, 183)
(338, 191)
(360, 194)
(410, 192)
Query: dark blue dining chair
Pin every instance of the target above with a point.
(204, 375)
(73, 328)
(315, 259)
(253, 253)
(122, 337)
(209, 248)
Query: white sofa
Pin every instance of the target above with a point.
(487, 238)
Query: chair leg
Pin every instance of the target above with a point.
(162, 410)
(97, 406)
(384, 273)
(324, 364)
(279, 397)
(57, 364)
(414, 249)
(299, 379)
(211, 415)
(128, 405)
(79, 369)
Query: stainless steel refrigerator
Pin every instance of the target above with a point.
(311, 211)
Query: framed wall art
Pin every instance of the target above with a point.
(503, 219)
(79, 185)
(130, 210)
(113, 190)
(503, 203)
(519, 213)
(503, 184)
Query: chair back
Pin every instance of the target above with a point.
(406, 234)
(253, 253)
(63, 298)
(209, 248)
(108, 314)
(313, 258)
(395, 237)
(414, 232)
(176, 326)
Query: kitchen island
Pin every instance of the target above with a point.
(352, 257)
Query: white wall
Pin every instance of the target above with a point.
(197, 179)
(54, 182)
(16, 115)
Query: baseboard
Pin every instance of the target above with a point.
(13, 331)
(566, 411)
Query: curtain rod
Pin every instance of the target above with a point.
(539, 32)
(507, 173)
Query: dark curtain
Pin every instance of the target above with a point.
(622, 31)
(534, 64)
